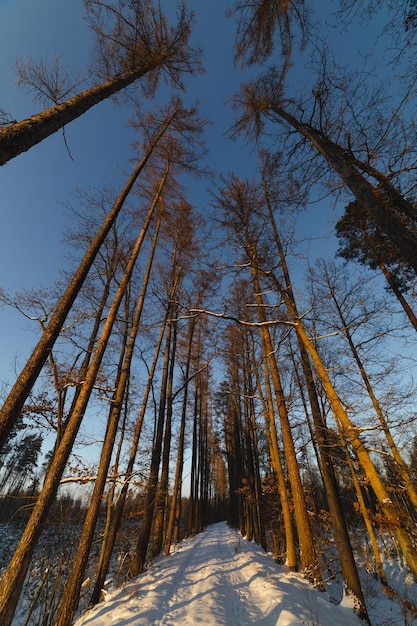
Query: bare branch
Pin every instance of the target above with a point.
(237, 320)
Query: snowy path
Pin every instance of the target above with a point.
(218, 579)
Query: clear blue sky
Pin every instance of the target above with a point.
(32, 185)
(35, 183)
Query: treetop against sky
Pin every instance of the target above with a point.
(96, 148)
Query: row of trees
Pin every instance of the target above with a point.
(249, 216)
(303, 411)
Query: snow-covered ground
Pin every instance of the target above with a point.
(219, 579)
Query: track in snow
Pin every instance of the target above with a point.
(218, 579)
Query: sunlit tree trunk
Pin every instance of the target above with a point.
(12, 406)
(342, 540)
(107, 549)
(109, 275)
(22, 136)
(182, 243)
(111, 494)
(401, 464)
(364, 512)
(309, 561)
(390, 510)
(239, 201)
(139, 558)
(167, 48)
(69, 600)
(13, 577)
(275, 459)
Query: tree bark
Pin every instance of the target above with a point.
(13, 405)
(309, 561)
(346, 557)
(139, 558)
(393, 285)
(117, 517)
(180, 453)
(391, 512)
(364, 513)
(12, 581)
(252, 454)
(383, 207)
(162, 497)
(401, 464)
(70, 596)
(275, 458)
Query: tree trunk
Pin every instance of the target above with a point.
(21, 136)
(139, 558)
(341, 535)
(251, 441)
(309, 561)
(180, 454)
(393, 285)
(13, 577)
(204, 453)
(275, 460)
(232, 433)
(192, 517)
(364, 513)
(13, 405)
(383, 207)
(401, 464)
(70, 596)
(162, 498)
(117, 517)
(388, 507)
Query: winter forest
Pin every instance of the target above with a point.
(223, 344)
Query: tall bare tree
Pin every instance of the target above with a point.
(110, 539)
(134, 41)
(263, 24)
(238, 202)
(13, 577)
(321, 436)
(328, 280)
(139, 558)
(391, 511)
(69, 599)
(191, 358)
(155, 130)
(264, 99)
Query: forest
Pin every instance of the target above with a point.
(205, 355)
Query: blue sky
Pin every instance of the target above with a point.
(35, 184)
